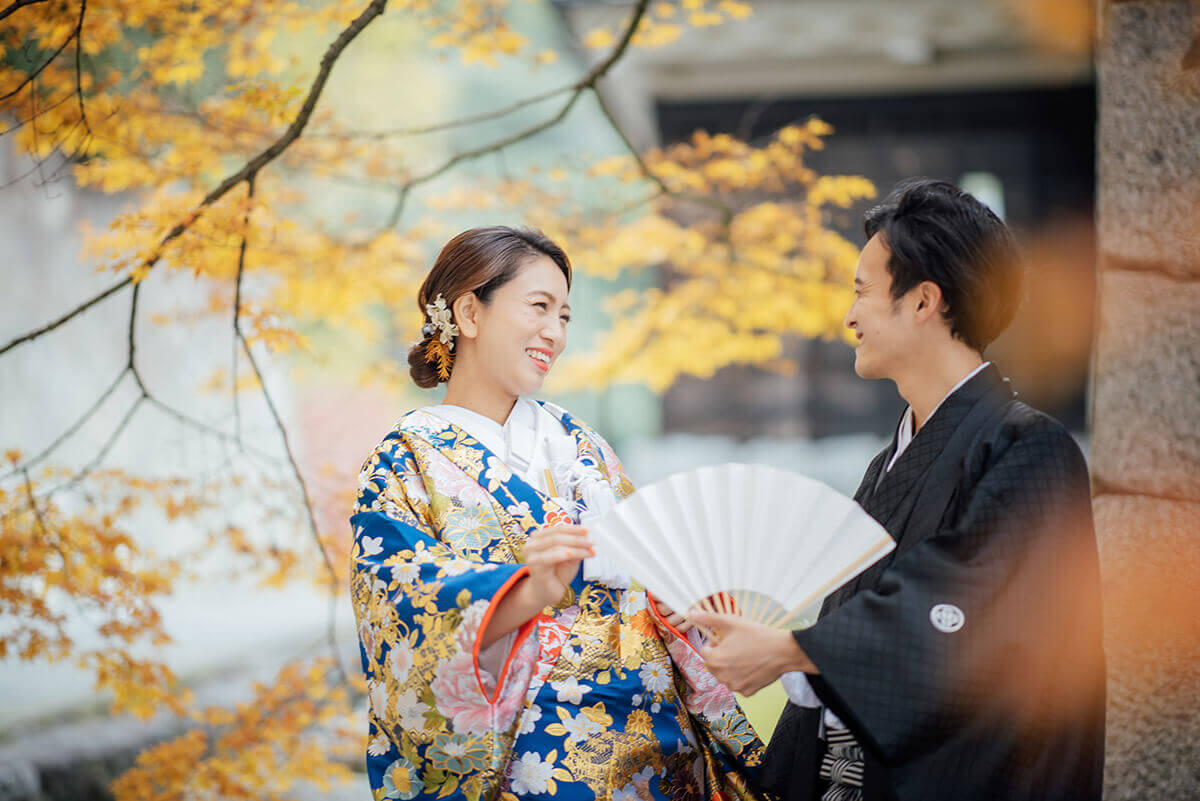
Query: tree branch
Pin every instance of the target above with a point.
(29, 78)
(252, 167)
(601, 69)
(20, 123)
(131, 339)
(237, 304)
(72, 428)
(117, 287)
(588, 81)
(205, 428)
(468, 155)
(334, 583)
(37, 512)
(455, 123)
(86, 470)
(719, 205)
(294, 130)
(79, 67)
(17, 5)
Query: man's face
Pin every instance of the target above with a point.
(879, 323)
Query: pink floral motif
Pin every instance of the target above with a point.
(366, 635)
(512, 693)
(414, 488)
(449, 479)
(468, 627)
(611, 462)
(706, 697)
(456, 691)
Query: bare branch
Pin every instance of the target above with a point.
(583, 84)
(16, 5)
(468, 155)
(237, 304)
(131, 365)
(117, 287)
(334, 584)
(601, 69)
(724, 208)
(38, 165)
(455, 123)
(79, 67)
(87, 469)
(205, 428)
(72, 428)
(186, 419)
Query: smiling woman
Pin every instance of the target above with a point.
(463, 283)
(525, 664)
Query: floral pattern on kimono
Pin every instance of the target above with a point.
(596, 697)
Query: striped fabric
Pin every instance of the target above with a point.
(842, 767)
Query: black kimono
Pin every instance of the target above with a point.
(968, 663)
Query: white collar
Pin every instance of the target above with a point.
(905, 434)
(517, 440)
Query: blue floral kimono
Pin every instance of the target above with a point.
(597, 697)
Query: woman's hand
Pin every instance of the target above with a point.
(677, 620)
(554, 555)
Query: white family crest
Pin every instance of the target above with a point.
(947, 618)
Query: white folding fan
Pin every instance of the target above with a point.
(774, 542)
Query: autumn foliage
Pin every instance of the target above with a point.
(217, 128)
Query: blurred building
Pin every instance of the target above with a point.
(952, 89)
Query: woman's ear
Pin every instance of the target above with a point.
(466, 313)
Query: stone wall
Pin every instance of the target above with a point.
(1146, 399)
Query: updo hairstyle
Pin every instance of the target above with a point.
(480, 260)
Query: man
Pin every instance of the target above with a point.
(966, 664)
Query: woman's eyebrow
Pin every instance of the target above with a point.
(550, 296)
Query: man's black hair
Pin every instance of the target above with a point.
(937, 232)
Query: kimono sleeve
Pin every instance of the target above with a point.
(712, 706)
(434, 711)
(989, 626)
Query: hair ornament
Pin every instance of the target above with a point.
(440, 319)
(440, 331)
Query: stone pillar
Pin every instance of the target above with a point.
(1146, 399)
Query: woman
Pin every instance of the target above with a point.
(502, 659)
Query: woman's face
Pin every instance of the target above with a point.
(522, 330)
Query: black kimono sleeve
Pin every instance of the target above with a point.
(974, 666)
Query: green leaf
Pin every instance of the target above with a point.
(449, 787)
(434, 778)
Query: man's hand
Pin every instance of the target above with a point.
(748, 656)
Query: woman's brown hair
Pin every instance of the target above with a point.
(480, 260)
